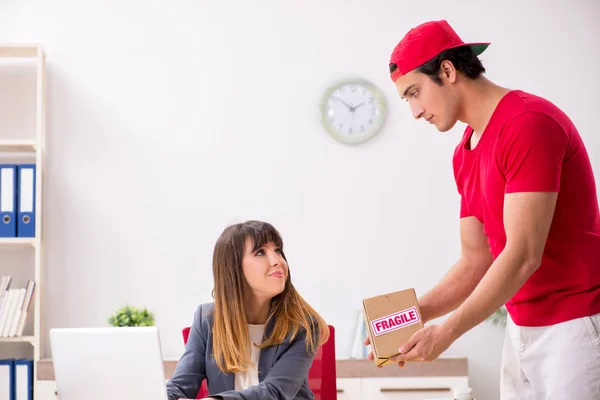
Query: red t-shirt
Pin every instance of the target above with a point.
(530, 145)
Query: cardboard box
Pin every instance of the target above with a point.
(391, 320)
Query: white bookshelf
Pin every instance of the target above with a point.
(28, 50)
(18, 146)
(33, 149)
(19, 339)
(18, 242)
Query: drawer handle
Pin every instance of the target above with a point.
(440, 389)
(340, 390)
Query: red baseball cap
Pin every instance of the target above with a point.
(425, 41)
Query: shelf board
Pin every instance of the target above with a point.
(19, 339)
(19, 50)
(16, 242)
(18, 146)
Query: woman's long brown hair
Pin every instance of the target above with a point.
(231, 340)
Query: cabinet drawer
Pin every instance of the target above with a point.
(349, 388)
(417, 388)
(45, 390)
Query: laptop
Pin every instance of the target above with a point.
(108, 363)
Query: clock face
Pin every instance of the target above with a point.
(353, 111)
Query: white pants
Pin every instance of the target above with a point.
(556, 362)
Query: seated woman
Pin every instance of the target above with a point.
(257, 340)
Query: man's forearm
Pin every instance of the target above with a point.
(454, 288)
(504, 278)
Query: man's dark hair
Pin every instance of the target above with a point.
(463, 58)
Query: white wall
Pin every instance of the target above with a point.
(168, 122)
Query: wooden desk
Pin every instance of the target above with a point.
(356, 379)
(344, 369)
(367, 369)
(361, 380)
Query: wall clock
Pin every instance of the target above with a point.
(353, 110)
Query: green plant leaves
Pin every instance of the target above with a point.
(499, 317)
(131, 316)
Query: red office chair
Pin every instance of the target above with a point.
(203, 389)
(321, 375)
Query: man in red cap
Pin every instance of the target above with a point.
(529, 221)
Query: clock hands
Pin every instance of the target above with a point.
(343, 102)
(350, 107)
(352, 110)
(355, 107)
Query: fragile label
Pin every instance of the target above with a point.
(395, 321)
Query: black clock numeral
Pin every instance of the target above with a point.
(371, 121)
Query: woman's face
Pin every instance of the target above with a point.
(265, 269)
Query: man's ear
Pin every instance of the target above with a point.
(447, 71)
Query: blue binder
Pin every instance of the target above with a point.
(26, 209)
(23, 379)
(8, 200)
(7, 379)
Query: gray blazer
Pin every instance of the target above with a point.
(282, 369)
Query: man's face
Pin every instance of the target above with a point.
(436, 104)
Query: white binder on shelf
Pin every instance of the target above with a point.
(7, 310)
(7, 379)
(12, 328)
(23, 379)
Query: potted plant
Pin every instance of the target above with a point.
(499, 317)
(131, 316)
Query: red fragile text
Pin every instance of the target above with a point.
(395, 321)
